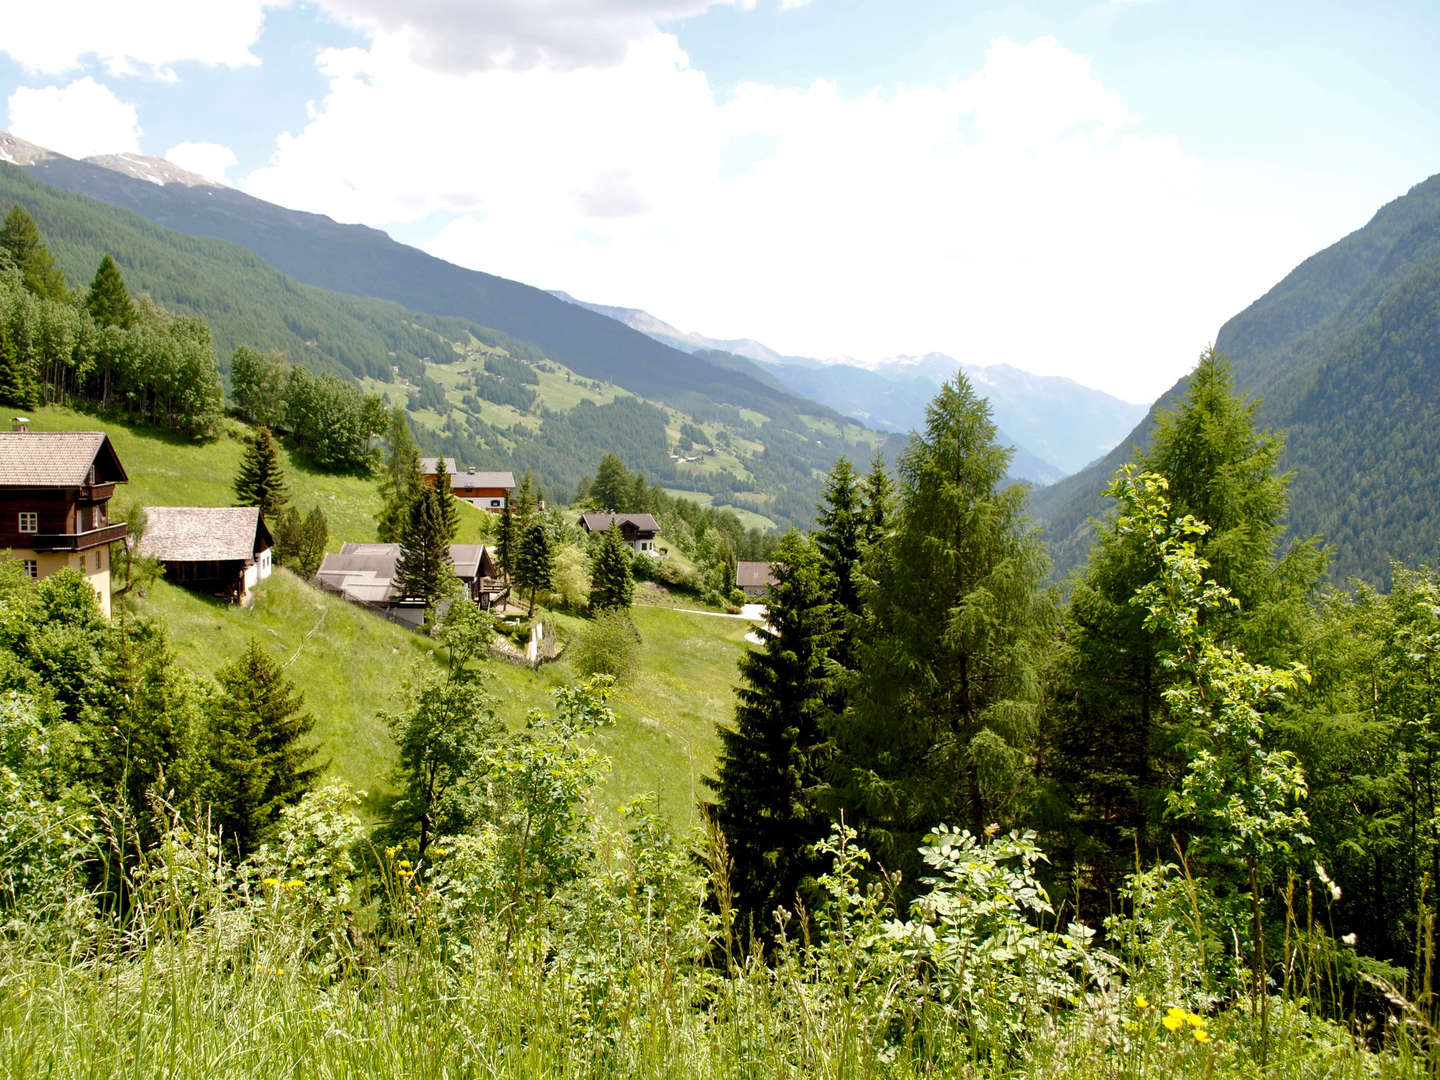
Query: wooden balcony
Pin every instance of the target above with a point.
(81, 541)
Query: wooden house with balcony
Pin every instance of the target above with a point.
(55, 490)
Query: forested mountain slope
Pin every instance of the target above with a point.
(473, 392)
(1343, 353)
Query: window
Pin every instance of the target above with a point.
(82, 564)
(29, 521)
(32, 568)
(496, 502)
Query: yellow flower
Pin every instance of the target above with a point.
(1141, 1001)
(1201, 1035)
(390, 852)
(272, 881)
(1194, 1021)
(404, 864)
(405, 873)
(1174, 1020)
(293, 883)
(441, 852)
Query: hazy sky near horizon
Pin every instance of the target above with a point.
(1086, 189)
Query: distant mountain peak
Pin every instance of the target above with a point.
(155, 170)
(16, 151)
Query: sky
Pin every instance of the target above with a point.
(1085, 189)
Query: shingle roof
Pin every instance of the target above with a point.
(202, 533)
(474, 479)
(600, 521)
(752, 575)
(366, 571)
(57, 458)
(429, 465)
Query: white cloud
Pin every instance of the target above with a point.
(1019, 213)
(147, 38)
(77, 120)
(460, 36)
(210, 160)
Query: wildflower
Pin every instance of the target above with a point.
(1201, 1035)
(405, 873)
(1141, 1001)
(390, 852)
(1350, 939)
(1174, 1019)
(404, 864)
(441, 852)
(272, 882)
(293, 883)
(1194, 1021)
(1325, 880)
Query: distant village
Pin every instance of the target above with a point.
(56, 487)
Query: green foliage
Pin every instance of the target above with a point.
(300, 542)
(260, 385)
(260, 481)
(608, 646)
(108, 301)
(20, 240)
(332, 422)
(612, 487)
(612, 583)
(258, 759)
(774, 758)
(424, 568)
(400, 481)
(534, 562)
(445, 500)
(943, 712)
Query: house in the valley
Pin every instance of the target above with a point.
(487, 490)
(365, 573)
(637, 530)
(221, 550)
(55, 490)
(754, 578)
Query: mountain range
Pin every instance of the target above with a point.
(1344, 356)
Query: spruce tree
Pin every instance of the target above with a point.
(424, 566)
(611, 488)
(401, 480)
(943, 708)
(109, 301)
(773, 759)
(260, 481)
(612, 582)
(449, 512)
(20, 238)
(1113, 750)
(840, 537)
(534, 561)
(505, 545)
(259, 760)
(879, 499)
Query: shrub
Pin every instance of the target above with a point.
(611, 646)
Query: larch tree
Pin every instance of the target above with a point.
(943, 709)
(774, 757)
(260, 480)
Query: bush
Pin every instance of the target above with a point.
(611, 646)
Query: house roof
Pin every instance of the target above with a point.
(430, 465)
(203, 533)
(57, 459)
(752, 575)
(468, 559)
(599, 521)
(366, 571)
(473, 478)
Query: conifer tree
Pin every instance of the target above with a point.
(260, 481)
(20, 238)
(257, 752)
(505, 545)
(612, 581)
(879, 499)
(1114, 750)
(424, 566)
(611, 489)
(943, 708)
(449, 512)
(840, 538)
(401, 480)
(773, 759)
(109, 301)
(534, 561)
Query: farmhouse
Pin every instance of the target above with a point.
(365, 574)
(487, 490)
(222, 550)
(753, 578)
(55, 489)
(637, 530)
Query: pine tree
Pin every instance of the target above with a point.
(611, 488)
(20, 238)
(534, 561)
(449, 512)
(260, 481)
(840, 537)
(612, 582)
(1114, 750)
(505, 546)
(260, 762)
(773, 759)
(944, 705)
(879, 500)
(401, 480)
(424, 566)
(109, 301)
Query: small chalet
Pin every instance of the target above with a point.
(637, 530)
(222, 550)
(365, 574)
(55, 489)
(754, 578)
(487, 490)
